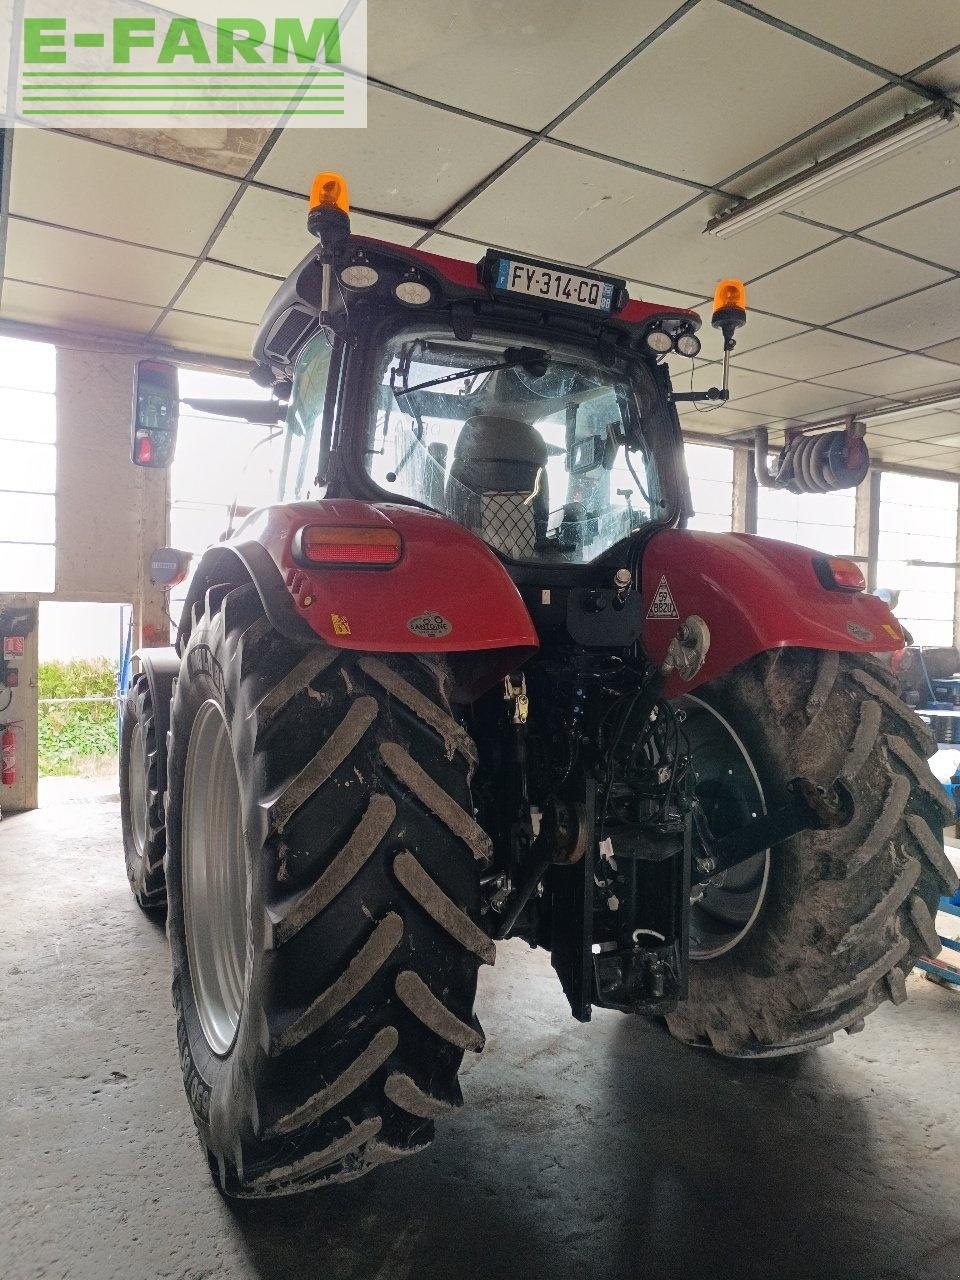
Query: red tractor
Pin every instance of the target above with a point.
(473, 679)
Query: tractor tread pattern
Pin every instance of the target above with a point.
(355, 777)
(866, 894)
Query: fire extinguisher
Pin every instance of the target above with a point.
(8, 755)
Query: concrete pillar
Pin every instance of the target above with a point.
(111, 515)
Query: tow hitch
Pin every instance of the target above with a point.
(809, 808)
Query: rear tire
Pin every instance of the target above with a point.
(846, 913)
(141, 804)
(361, 862)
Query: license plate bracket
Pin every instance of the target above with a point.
(533, 282)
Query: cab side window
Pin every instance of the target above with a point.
(304, 420)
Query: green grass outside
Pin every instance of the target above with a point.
(78, 737)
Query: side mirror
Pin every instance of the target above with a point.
(156, 410)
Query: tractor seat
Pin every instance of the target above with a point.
(498, 463)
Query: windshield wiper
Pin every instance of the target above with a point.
(533, 362)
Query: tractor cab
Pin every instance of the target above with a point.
(528, 402)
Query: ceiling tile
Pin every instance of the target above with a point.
(903, 180)
(944, 77)
(114, 193)
(268, 232)
(722, 417)
(897, 452)
(918, 322)
(667, 297)
(795, 399)
(946, 351)
(558, 204)
(223, 291)
(744, 383)
(229, 151)
(811, 355)
(58, 308)
(889, 33)
(209, 336)
(637, 114)
(950, 442)
(452, 247)
(762, 329)
(842, 278)
(933, 424)
(678, 252)
(894, 376)
(87, 264)
(412, 159)
(496, 65)
(930, 231)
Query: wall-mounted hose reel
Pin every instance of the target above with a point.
(813, 463)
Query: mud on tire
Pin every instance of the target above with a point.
(847, 913)
(141, 804)
(363, 862)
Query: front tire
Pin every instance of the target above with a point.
(141, 804)
(322, 923)
(845, 914)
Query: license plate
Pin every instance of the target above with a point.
(554, 285)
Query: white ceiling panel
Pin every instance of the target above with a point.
(843, 278)
(88, 264)
(38, 304)
(558, 204)
(890, 33)
(918, 322)
(743, 383)
(412, 159)
(207, 335)
(812, 354)
(420, 46)
(229, 151)
(760, 330)
(720, 417)
(268, 232)
(225, 292)
(931, 231)
(678, 252)
(640, 115)
(946, 351)
(97, 188)
(894, 376)
(903, 180)
(795, 399)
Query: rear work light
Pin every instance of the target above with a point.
(348, 547)
(837, 574)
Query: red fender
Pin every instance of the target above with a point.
(448, 594)
(754, 594)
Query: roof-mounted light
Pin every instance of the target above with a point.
(687, 344)
(412, 292)
(659, 341)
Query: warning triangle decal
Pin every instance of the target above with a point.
(662, 608)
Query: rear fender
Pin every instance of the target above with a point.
(754, 594)
(448, 594)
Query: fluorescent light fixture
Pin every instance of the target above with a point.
(915, 409)
(910, 132)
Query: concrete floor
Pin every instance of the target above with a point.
(597, 1151)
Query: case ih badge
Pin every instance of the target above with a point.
(662, 608)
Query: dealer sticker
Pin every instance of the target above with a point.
(662, 608)
(430, 626)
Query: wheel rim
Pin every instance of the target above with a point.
(137, 789)
(724, 908)
(214, 878)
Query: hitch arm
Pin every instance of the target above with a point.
(808, 808)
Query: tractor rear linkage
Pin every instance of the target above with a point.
(651, 976)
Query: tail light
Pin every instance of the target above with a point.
(347, 547)
(837, 574)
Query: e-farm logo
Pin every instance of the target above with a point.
(141, 66)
